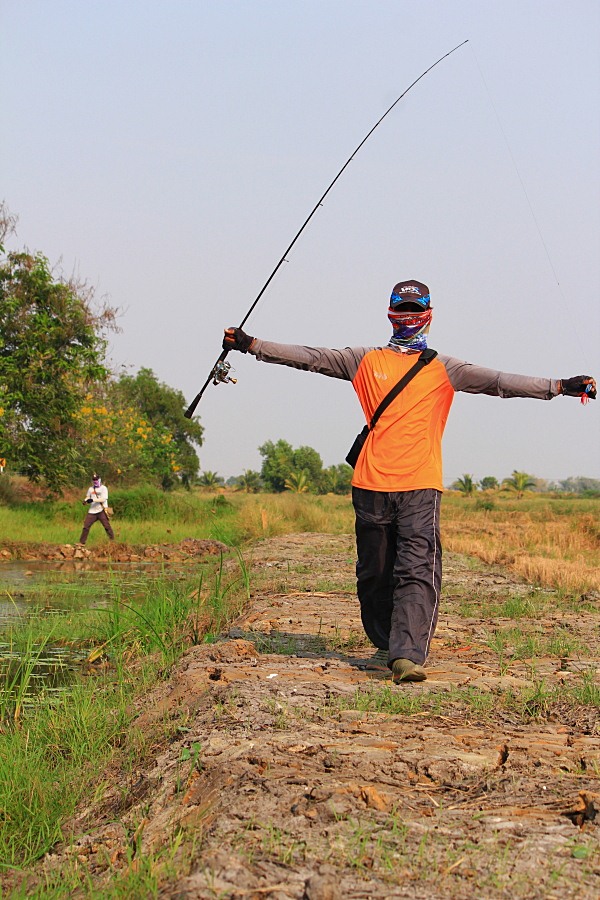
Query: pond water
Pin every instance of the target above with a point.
(36, 587)
(33, 589)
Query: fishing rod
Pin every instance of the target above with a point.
(220, 371)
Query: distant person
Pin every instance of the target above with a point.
(397, 484)
(97, 501)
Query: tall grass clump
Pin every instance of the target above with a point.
(17, 671)
(225, 597)
(269, 515)
(47, 761)
(174, 615)
(148, 502)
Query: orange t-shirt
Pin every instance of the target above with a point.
(404, 450)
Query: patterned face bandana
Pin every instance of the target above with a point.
(410, 329)
(96, 482)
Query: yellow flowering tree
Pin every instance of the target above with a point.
(135, 430)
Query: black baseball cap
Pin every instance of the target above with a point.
(412, 296)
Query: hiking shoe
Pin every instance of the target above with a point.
(407, 670)
(378, 661)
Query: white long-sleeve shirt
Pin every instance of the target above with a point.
(99, 496)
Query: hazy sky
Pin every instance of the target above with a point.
(168, 152)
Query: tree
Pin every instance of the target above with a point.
(250, 482)
(135, 428)
(52, 350)
(338, 479)
(465, 485)
(580, 485)
(518, 482)
(308, 461)
(210, 479)
(297, 482)
(278, 463)
(281, 461)
(164, 406)
(8, 224)
(488, 483)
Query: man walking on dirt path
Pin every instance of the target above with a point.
(397, 484)
(97, 501)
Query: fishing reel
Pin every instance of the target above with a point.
(220, 373)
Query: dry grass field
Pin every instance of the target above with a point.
(555, 543)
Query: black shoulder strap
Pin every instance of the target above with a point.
(423, 360)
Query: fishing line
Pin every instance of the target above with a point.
(527, 198)
(220, 371)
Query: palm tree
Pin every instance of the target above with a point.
(210, 479)
(518, 482)
(465, 485)
(297, 482)
(249, 482)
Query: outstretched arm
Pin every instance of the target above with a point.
(473, 379)
(334, 363)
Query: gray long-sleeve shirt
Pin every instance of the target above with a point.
(403, 451)
(463, 376)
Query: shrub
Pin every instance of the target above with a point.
(9, 494)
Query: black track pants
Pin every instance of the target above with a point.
(399, 569)
(89, 521)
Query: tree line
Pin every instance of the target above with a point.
(519, 482)
(284, 468)
(64, 413)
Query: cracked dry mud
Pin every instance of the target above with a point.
(293, 786)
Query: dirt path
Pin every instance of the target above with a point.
(297, 774)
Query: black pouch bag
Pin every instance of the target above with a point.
(359, 441)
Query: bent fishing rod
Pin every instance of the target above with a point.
(220, 371)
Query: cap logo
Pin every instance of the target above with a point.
(410, 289)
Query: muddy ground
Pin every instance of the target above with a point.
(116, 552)
(291, 772)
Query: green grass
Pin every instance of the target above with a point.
(517, 643)
(147, 515)
(142, 516)
(539, 506)
(47, 758)
(538, 701)
(54, 744)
